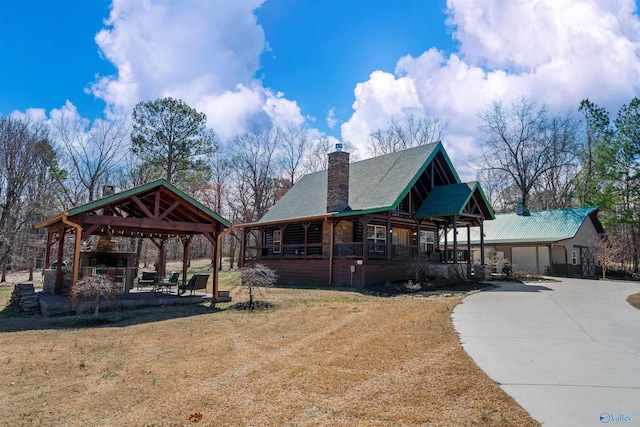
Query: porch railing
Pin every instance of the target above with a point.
(374, 251)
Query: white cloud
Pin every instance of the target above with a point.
(204, 52)
(554, 51)
(332, 121)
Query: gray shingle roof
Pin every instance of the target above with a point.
(375, 184)
(539, 226)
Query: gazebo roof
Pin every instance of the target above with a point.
(156, 209)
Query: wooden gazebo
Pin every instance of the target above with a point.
(157, 211)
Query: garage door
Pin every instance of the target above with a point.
(524, 259)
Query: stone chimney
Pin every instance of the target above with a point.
(338, 180)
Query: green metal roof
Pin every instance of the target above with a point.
(539, 226)
(375, 184)
(114, 198)
(449, 200)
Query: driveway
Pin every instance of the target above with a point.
(568, 352)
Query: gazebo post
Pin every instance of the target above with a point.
(216, 254)
(186, 243)
(57, 288)
(47, 255)
(161, 257)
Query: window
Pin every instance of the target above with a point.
(376, 233)
(277, 241)
(574, 257)
(427, 240)
(377, 239)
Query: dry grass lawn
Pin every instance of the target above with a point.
(319, 358)
(634, 300)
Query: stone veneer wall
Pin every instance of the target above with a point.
(338, 181)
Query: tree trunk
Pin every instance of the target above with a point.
(97, 309)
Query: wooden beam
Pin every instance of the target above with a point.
(89, 231)
(210, 238)
(141, 205)
(156, 205)
(156, 244)
(150, 224)
(169, 209)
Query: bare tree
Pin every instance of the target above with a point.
(255, 277)
(255, 172)
(523, 144)
(405, 132)
(92, 152)
(23, 144)
(295, 141)
(556, 187)
(316, 157)
(609, 249)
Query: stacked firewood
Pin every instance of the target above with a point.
(24, 298)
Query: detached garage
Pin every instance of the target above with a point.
(553, 242)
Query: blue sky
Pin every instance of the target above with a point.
(343, 67)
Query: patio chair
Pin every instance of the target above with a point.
(197, 281)
(149, 278)
(173, 281)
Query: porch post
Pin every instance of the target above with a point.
(306, 225)
(331, 242)
(455, 239)
(388, 237)
(468, 251)
(482, 243)
(446, 243)
(418, 224)
(365, 243)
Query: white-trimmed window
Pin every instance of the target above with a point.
(376, 233)
(277, 241)
(427, 240)
(574, 257)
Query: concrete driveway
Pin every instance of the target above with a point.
(568, 352)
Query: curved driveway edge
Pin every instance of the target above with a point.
(568, 352)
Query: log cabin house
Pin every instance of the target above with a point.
(369, 221)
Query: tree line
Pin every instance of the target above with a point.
(526, 155)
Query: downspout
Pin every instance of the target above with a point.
(76, 255)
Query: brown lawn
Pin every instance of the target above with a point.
(634, 300)
(319, 358)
